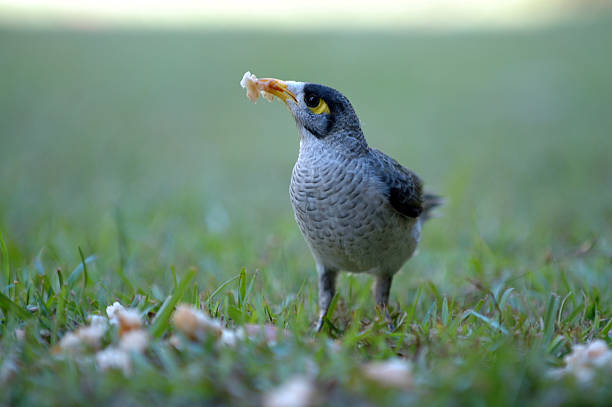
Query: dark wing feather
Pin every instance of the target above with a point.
(405, 187)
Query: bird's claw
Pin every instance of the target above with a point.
(389, 320)
(385, 311)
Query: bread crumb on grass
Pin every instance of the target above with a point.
(129, 324)
(127, 319)
(396, 373)
(111, 312)
(114, 359)
(85, 336)
(194, 324)
(134, 341)
(585, 361)
(298, 391)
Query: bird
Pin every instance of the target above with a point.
(359, 210)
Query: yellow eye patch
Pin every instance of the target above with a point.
(320, 108)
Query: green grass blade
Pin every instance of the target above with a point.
(242, 287)
(445, 312)
(221, 287)
(60, 316)
(505, 297)
(562, 307)
(84, 267)
(60, 279)
(160, 323)
(550, 317)
(11, 307)
(605, 331)
(174, 278)
(5, 260)
(556, 343)
(490, 322)
(414, 306)
(434, 290)
(78, 271)
(250, 288)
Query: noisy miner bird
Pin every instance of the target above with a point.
(358, 209)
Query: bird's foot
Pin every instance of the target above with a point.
(389, 320)
(385, 311)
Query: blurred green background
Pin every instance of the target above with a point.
(140, 146)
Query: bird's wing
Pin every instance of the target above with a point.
(404, 188)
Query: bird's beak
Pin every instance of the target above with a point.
(278, 88)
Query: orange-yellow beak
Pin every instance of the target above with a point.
(277, 88)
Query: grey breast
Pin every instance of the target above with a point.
(341, 208)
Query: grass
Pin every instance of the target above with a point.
(134, 169)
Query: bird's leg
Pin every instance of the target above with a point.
(327, 289)
(383, 287)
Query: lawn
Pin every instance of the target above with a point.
(134, 169)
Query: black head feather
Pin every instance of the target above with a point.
(342, 119)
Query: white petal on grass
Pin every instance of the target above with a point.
(135, 341)
(113, 358)
(390, 373)
(299, 391)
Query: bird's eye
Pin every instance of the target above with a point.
(316, 104)
(312, 101)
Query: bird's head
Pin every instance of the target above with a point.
(319, 111)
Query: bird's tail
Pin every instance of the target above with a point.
(430, 201)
